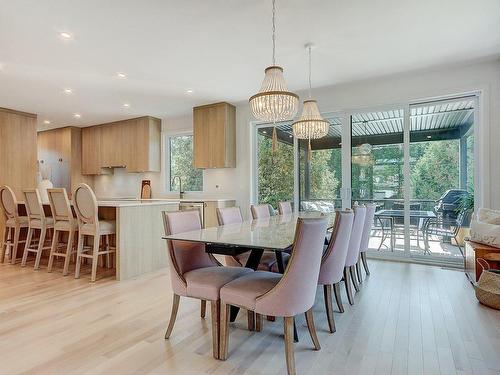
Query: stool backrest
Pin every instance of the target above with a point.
(8, 202)
(59, 204)
(34, 206)
(85, 204)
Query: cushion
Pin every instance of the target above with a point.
(205, 283)
(36, 223)
(244, 291)
(21, 220)
(66, 225)
(105, 227)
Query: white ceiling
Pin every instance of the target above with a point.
(218, 48)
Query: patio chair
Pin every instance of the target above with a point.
(445, 227)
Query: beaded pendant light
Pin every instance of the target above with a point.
(274, 103)
(311, 124)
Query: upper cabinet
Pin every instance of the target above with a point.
(214, 136)
(132, 144)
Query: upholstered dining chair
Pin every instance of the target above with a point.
(353, 251)
(365, 238)
(285, 208)
(37, 222)
(268, 293)
(333, 262)
(64, 222)
(13, 223)
(261, 211)
(232, 215)
(195, 273)
(89, 225)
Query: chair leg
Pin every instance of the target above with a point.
(108, 255)
(348, 287)
(79, 250)
(250, 320)
(358, 271)
(225, 311)
(173, 315)
(352, 272)
(338, 296)
(41, 242)
(365, 263)
(53, 249)
(203, 308)
(289, 354)
(5, 239)
(69, 249)
(312, 328)
(26, 246)
(327, 291)
(258, 322)
(13, 257)
(215, 315)
(95, 257)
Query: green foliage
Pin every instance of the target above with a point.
(181, 164)
(437, 170)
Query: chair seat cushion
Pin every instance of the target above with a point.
(63, 225)
(244, 291)
(22, 220)
(205, 283)
(105, 227)
(37, 223)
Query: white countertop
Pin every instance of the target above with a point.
(135, 203)
(176, 200)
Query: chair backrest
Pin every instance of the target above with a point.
(355, 240)
(367, 227)
(285, 208)
(8, 202)
(34, 206)
(59, 204)
(85, 204)
(260, 211)
(333, 261)
(184, 256)
(296, 291)
(229, 215)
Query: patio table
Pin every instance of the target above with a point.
(391, 215)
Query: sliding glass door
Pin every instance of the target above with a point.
(414, 161)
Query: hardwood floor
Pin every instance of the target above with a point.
(408, 319)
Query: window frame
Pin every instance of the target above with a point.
(167, 160)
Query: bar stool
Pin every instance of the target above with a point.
(13, 224)
(86, 208)
(64, 222)
(37, 222)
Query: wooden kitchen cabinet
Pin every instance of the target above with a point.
(133, 144)
(59, 152)
(214, 136)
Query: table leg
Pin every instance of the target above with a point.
(252, 262)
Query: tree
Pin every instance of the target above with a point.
(181, 164)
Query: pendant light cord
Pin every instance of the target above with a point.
(310, 85)
(274, 32)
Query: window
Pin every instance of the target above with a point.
(181, 164)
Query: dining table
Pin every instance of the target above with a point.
(275, 234)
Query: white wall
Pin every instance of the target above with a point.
(411, 86)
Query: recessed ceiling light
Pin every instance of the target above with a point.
(189, 91)
(65, 35)
(46, 122)
(121, 75)
(68, 91)
(77, 115)
(126, 105)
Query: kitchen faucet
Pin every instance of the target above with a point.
(181, 193)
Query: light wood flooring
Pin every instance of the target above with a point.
(408, 319)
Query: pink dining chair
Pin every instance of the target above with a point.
(365, 238)
(333, 262)
(261, 211)
(232, 215)
(353, 251)
(285, 208)
(195, 273)
(267, 293)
